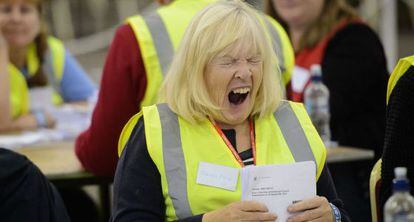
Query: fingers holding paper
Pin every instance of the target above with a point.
(313, 209)
(241, 211)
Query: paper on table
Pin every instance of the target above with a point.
(29, 138)
(278, 186)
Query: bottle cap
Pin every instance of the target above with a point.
(401, 183)
(400, 172)
(316, 72)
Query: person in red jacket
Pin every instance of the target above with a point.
(122, 85)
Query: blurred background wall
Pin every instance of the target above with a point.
(87, 26)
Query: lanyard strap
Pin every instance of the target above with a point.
(230, 146)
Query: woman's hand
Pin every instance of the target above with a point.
(50, 120)
(314, 209)
(241, 211)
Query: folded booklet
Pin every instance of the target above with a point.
(278, 186)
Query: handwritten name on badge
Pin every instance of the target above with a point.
(217, 176)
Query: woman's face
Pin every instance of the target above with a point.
(20, 22)
(233, 78)
(298, 13)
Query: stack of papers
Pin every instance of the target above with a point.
(278, 186)
(70, 121)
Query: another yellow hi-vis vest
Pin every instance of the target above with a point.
(399, 70)
(19, 91)
(159, 34)
(177, 147)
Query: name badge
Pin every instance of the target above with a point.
(217, 176)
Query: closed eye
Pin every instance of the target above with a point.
(228, 62)
(254, 60)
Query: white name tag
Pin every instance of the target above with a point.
(217, 176)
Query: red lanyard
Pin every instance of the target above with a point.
(235, 153)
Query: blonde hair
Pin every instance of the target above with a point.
(333, 12)
(211, 31)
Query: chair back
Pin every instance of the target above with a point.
(374, 188)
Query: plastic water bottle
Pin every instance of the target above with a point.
(400, 206)
(316, 99)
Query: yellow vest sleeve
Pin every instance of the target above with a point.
(126, 132)
(398, 71)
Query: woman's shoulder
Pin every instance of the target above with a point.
(355, 31)
(357, 39)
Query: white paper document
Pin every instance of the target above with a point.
(278, 186)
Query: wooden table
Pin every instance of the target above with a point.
(59, 163)
(344, 154)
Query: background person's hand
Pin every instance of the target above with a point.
(50, 120)
(240, 211)
(313, 209)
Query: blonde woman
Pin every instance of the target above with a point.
(29, 58)
(224, 107)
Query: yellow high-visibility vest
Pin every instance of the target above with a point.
(159, 34)
(177, 147)
(19, 91)
(399, 70)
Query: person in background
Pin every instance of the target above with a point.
(399, 140)
(329, 33)
(26, 194)
(138, 58)
(30, 58)
(224, 107)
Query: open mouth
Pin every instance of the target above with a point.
(237, 96)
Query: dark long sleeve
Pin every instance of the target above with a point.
(399, 140)
(354, 70)
(25, 193)
(137, 185)
(325, 187)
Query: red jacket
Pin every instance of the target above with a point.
(122, 88)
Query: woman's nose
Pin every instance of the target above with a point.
(15, 14)
(244, 69)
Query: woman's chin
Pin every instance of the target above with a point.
(235, 114)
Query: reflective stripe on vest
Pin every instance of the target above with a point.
(175, 166)
(162, 42)
(174, 161)
(276, 44)
(293, 133)
(53, 67)
(158, 33)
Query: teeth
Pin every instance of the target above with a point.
(241, 90)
